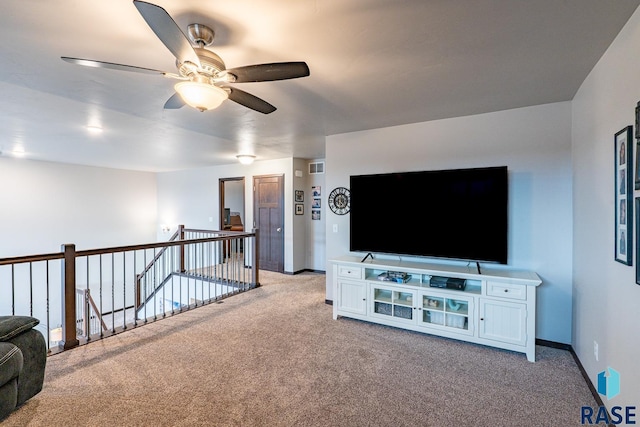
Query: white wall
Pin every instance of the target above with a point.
(191, 198)
(606, 296)
(301, 238)
(534, 143)
(316, 229)
(44, 205)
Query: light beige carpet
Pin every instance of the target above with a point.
(275, 357)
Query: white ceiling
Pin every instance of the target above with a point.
(374, 63)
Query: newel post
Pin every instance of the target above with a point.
(69, 334)
(181, 238)
(256, 257)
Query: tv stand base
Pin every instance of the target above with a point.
(496, 308)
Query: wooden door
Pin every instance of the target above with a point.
(268, 214)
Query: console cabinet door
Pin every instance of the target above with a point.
(392, 304)
(503, 321)
(453, 313)
(352, 296)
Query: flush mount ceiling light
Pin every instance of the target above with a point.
(202, 96)
(94, 129)
(18, 151)
(245, 159)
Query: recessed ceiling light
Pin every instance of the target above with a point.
(18, 152)
(94, 129)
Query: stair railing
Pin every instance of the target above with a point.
(195, 260)
(88, 318)
(178, 235)
(103, 283)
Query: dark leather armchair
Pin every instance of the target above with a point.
(23, 356)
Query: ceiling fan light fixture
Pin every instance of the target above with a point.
(245, 159)
(202, 96)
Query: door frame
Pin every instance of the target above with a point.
(221, 192)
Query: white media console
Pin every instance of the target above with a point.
(496, 307)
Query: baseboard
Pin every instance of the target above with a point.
(305, 270)
(553, 344)
(585, 376)
(593, 390)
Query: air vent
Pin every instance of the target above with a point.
(316, 168)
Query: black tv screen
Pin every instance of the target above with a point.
(459, 214)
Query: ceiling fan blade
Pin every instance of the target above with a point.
(250, 101)
(110, 65)
(167, 31)
(270, 72)
(174, 102)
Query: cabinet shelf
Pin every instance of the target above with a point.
(420, 280)
(446, 320)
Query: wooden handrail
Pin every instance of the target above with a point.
(197, 230)
(31, 258)
(117, 249)
(89, 252)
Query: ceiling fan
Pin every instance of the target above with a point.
(204, 76)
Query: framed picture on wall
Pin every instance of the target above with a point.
(623, 152)
(637, 163)
(299, 196)
(299, 209)
(638, 120)
(637, 241)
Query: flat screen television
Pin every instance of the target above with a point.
(459, 214)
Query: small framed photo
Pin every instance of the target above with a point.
(299, 196)
(316, 191)
(623, 152)
(299, 209)
(315, 215)
(637, 165)
(637, 162)
(638, 120)
(637, 241)
(316, 204)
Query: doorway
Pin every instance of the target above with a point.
(232, 210)
(268, 215)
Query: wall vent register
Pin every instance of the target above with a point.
(316, 168)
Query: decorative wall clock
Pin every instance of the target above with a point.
(340, 201)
